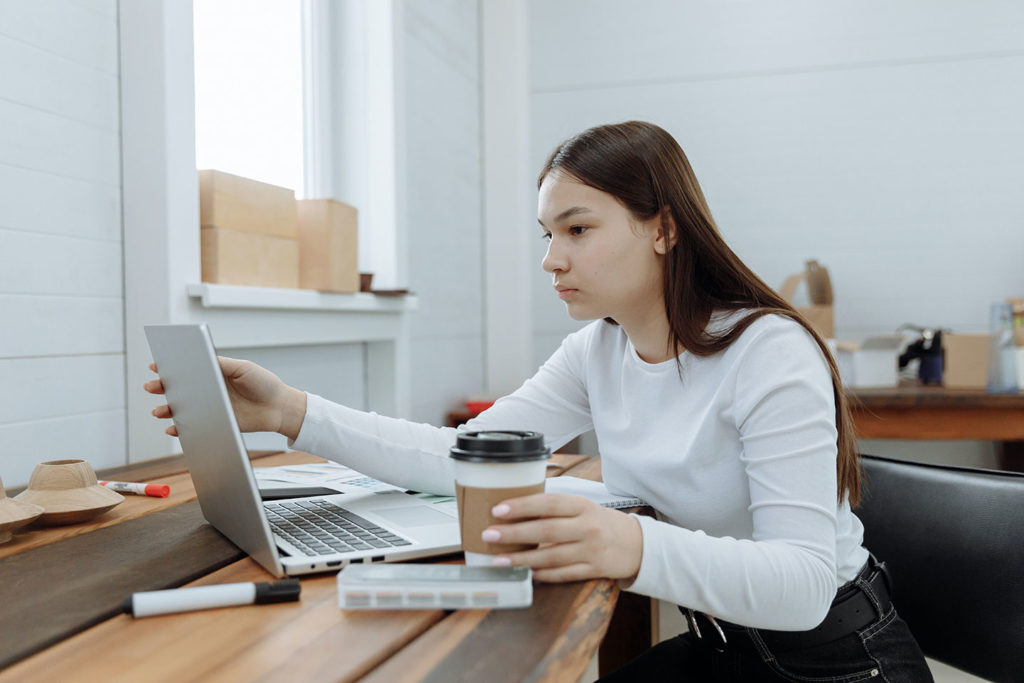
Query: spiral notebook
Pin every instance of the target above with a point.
(594, 490)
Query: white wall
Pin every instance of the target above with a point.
(882, 139)
(61, 292)
(443, 210)
(61, 297)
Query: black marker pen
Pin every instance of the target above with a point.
(152, 603)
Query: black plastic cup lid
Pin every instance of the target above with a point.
(500, 446)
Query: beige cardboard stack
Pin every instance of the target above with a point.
(328, 247)
(965, 360)
(819, 291)
(250, 233)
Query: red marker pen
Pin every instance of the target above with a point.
(154, 490)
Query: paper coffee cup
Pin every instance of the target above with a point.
(491, 467)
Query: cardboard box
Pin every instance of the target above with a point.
(966, 361)
(871, 363)
(328, 246)
(244, 205)
(819, 313)
(234, 257)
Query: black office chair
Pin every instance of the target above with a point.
(953, 539)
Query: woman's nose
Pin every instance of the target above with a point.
(553, 259)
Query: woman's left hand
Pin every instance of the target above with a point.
(578, 538)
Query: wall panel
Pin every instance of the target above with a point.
(53, 387)
(82, 32)
(60, 326)
(43, 264)
(42, 202)
(98, 438)
(42, 141)
(75, 91)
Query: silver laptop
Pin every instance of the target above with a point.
(286, 536)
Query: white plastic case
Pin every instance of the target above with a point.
(437, 586)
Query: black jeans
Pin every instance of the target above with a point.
(883, 650)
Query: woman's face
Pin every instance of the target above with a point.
(603, 262)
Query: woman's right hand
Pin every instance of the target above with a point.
(262, 402)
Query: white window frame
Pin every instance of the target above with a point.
(317, 135)
(160, 205)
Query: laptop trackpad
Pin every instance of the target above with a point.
(420, 515)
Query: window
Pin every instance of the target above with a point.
(249, 89)
(302, 94)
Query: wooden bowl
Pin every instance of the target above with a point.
(14, 514)
(68, 492)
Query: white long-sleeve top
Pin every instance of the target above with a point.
(736, 452)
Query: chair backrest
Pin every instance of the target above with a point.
(953, 539)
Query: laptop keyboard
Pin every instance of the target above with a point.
(318, 527)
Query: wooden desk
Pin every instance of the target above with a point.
(912, 411)
(63, 588)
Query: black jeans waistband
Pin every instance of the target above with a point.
(857, 604)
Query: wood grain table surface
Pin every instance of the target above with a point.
(63, 589)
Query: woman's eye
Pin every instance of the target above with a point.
(578, 230)
(545, 235)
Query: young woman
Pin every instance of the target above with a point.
(711, 399)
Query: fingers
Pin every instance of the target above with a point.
(154, 386)
(550, 519)
(540, 505)
(164, 412)
(537, 531)
(559, 524)
(575, 538)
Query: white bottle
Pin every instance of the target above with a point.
(1002, 355)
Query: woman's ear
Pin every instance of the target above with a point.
(666, 236)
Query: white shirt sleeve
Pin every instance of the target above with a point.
(400, 452)
(415, 456)
(783, 578)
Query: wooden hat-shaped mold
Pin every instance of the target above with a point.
(68, 492)
(15, 514)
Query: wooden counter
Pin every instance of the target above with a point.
(912, 411)
(63, 589)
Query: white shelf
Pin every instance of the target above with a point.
(232, 296)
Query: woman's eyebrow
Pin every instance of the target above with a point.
(572, 211)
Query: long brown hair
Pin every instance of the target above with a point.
(644, 167)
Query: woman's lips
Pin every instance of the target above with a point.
(565, 293)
